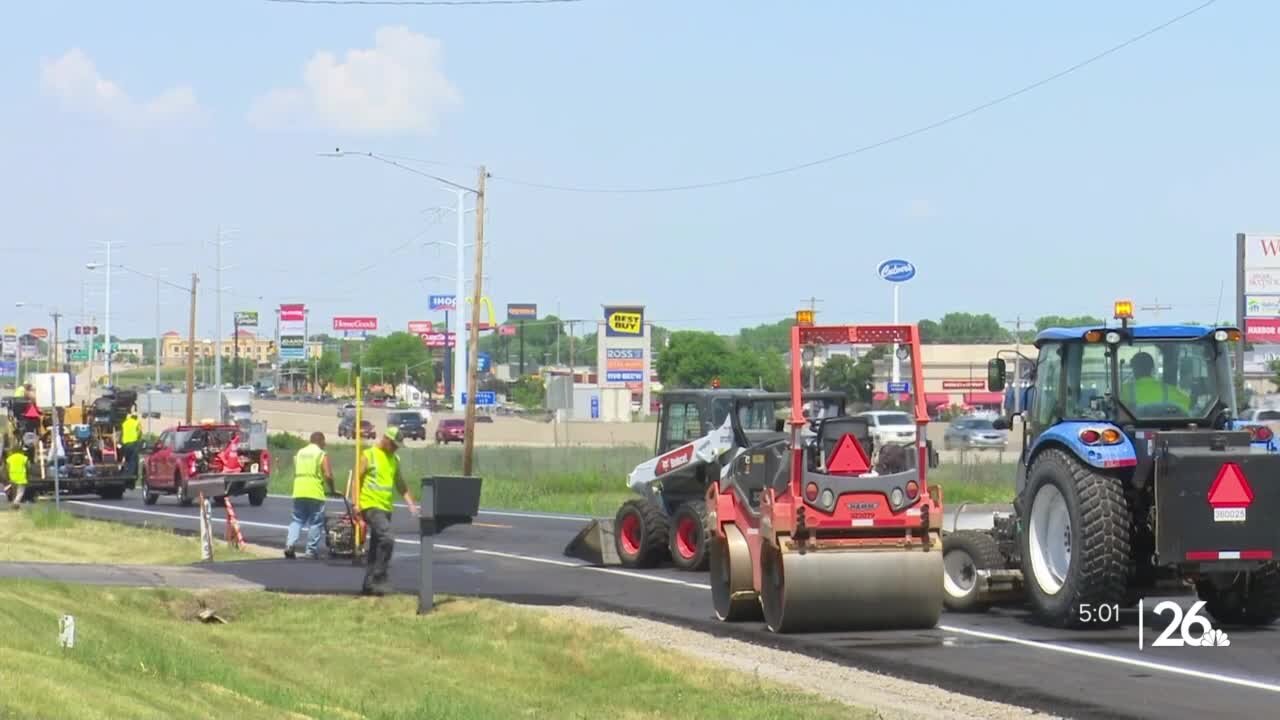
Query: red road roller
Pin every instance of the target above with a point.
(830, 529)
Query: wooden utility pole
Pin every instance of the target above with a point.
(191, 348)
(473, 342)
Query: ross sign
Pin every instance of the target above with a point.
(420, 327)
(624, 376)
(624, 354)
(624, 321)
(484, 397)
(896, 270)
(439, 339)
(1262, 306)
(899, 388)
(522, 311)
(40, 333)
(247, 318)
(506, 329)
(964, 385)
(442, 302)
(355, 322)
(1262, 330)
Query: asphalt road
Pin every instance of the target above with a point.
(1000, 655)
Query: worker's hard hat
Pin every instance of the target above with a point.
(393, 434)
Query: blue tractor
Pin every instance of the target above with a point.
(1135, 478)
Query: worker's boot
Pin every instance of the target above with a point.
(289, 553)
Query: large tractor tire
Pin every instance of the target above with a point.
(1251, 599)
(689, 539)
(1075, 541)
(640, 534)
(964, 553)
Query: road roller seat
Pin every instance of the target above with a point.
(830, 430)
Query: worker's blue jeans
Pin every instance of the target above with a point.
(310, 513)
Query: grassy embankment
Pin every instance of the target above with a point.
(38, 533)
(592, 481)
(141, 653)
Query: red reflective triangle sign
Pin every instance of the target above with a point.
(848, 457)
(1230, 489)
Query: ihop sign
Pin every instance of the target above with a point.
(896, 270)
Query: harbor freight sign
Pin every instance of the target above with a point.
(293, 332)
(351, 322)
(624, 321)
(442, 302)
(522, 311)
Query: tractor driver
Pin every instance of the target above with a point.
(1145, 389)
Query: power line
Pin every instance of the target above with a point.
(422, 2)
(877, 144)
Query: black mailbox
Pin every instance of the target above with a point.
(446, 500)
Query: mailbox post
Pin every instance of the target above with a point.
(446, 500)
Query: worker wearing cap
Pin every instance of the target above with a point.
(379, 471)
(130, 434)
(16, 468)
(312, 476)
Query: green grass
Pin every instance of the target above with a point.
(143, 375)
(39, 533)
(589, 481)
(980, 482)
(140, 654)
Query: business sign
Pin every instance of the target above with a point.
(11, 330)
(624, 354)
(506, 329)
(247, 318)
(896, 270)
(293, 332)
(1262, 306)
(595, 407)
(482, 362)
(624, 321)
(442, 302)
(86, 330)
(40, 333)
(522, 311)
(899, 388)
(420, 327)
(9, 367)
(624, 375)
(964, 385)
(1262, 330)
(439, 339)
(483, 397)
(352, 322)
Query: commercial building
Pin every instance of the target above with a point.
(175, 348)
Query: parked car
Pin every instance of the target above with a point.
(972, 433)
(410, 423)
(451, 430)
(890, 427)
(347, 429)
(345, 407)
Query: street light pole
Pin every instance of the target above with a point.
(460, 363)
(107, 318)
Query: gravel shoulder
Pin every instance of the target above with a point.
(892, 699)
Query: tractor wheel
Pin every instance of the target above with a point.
(963, 554)
(1252, 599)
(1075, 540)
(689, 537)
(640, 534)
(257, 496)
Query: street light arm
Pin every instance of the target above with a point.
(379, 158)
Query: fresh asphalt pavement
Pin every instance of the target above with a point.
(1000, 655)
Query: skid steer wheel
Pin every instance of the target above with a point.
(689, 536)
(1075, 542)
(640, 534)
(1247, 599)
(964, 553)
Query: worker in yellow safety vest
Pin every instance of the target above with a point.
(379, 471)
(16, 469)
(130, 434)
(312, 477)
(1145, 389)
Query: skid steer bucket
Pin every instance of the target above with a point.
(594, 543)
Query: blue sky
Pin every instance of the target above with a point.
(1127, 178)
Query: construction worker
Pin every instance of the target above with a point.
(379, 471)
(1145, 389)
(130, 434)
(312, 477)
(16, 468)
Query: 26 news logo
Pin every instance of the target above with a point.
(1184, 629)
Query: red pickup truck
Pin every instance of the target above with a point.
(190, 459)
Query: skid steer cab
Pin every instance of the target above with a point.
(1135, 478)
(823, 530)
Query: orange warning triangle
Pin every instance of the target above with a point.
(848, 458)
(1230, 489)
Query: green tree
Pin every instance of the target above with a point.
(398, 351)
(1049, 321)
(769, 337)
(852, 377)
(529, 392)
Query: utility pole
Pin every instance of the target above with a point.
(459, 361)
(559, 331)
(191, 348)
(1155, 308)
(54, 365)
(472, 400)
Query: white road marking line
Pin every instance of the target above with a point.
(1095, 655)
(1092, 654)
(499, 513)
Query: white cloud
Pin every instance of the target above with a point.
(76, 83)
(395, 86)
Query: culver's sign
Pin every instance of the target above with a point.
(896, 270)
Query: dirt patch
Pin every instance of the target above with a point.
(893, 699)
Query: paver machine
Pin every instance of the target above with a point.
(1135, 478)
(823, 530)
